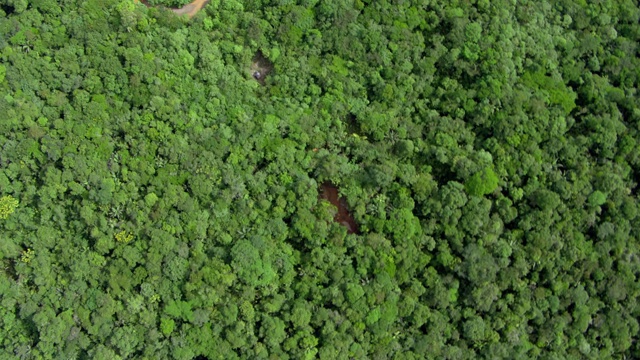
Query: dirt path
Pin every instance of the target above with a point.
(190, 9)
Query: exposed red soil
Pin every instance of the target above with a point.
(330, 193)
(190, 9)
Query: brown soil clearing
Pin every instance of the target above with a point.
(330, 193)
(190, 9)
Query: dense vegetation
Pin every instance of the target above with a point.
(168, 3)
(156, 201)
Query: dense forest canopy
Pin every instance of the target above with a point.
(157, 202)
(168, 3)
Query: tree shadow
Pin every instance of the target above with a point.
(7, 9)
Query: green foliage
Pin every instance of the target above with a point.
(27, 256)
(250, 265)
(482, 183)
(167, 326)
(8, 205)
(179, 310)
(554, 89)
(123, 237)
(169, 3)
(597, 198)
(151, 199)
(485, 156)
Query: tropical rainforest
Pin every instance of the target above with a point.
(306, 179)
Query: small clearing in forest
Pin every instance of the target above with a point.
(190, 9)
(343, 217)
(260, 67)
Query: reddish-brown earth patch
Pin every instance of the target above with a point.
(190, 9)
(330, 193)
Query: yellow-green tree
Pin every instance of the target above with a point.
(8, 205)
